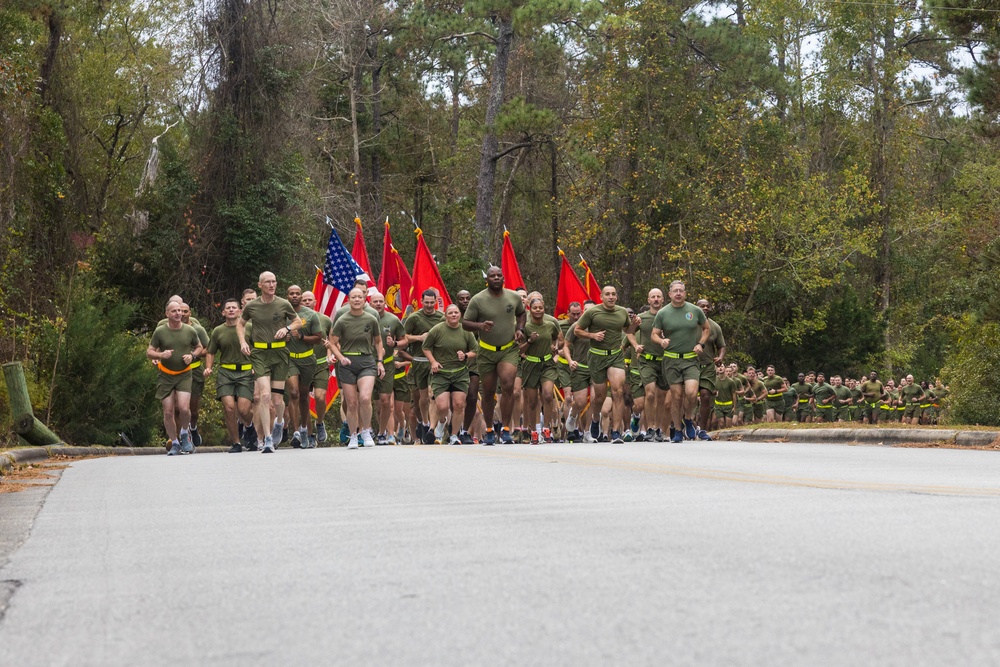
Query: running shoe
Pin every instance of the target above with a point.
(428, 437)
(296, 440)
(352, 442)
(391, 440)
(547, 435)
(175, 449)
(268, 445)
(616, 438)
(439, 433)
(195, 437)
(628, 436)
(595, 430)
(454, 440)
(321, 432)
(236, 448)
(465, 438)
(505, 438)
(703, 435)
(278, 433)
(633, 425)
(689, 430)
(490, 438)
(313, 442)
(366, 438)
(534, 437)
(588, 436)
(345, 433)
(571, 421)
(677, 437)
(187, 447)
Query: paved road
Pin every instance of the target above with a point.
(708, 553)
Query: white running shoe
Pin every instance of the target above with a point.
(268, 446)
(353, 442)
(366, 438)
(587, 437)
(454, 440)
(439, 432)
(570, 421)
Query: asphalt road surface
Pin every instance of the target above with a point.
(638, 554)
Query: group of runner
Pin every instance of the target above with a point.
(602, 373)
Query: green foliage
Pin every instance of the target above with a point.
(104, 384)
(463, 270)
(971, 371)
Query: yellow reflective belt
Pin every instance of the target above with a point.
(775, 395)
(803, 400)
(353, 354)
(237, 367)
(195, 364)
(321, 360)
(824, 407)
(301, 355)
(677, 355)
(723, 402)
(391, 357)
(399, 376)
(925, 405)
(600, 353)
(562, 360)
(493, 348)
(651, 357)
(537, 360)
(269, 346)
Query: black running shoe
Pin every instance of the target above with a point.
(236, 448)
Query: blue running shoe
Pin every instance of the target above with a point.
(689, 431)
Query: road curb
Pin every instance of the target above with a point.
(876, 436)
(28, 455)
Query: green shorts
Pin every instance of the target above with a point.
(803, 410)
(563, 376)
(487, 360)
(723, 410)
(911, 410)
(197, 380)
(321, 375)
(234, 383)
(400, 386)
(361, 366)
(708, 376)
(870, 410)
(450, 381)
(419, 376)
(635, 383)
(534, 373)
(651, 371)
(753, 410)
(600, 363)
(826, 413)
(679, 371)
(386, 383)
(304, 370)
(579, 380)
(843, 413)
(270, 364)
(166, 384)
(776, 404)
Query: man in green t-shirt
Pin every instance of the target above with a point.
(450, 350)
(725, 394)
(301, 367)
(803, 392)
(174, 346)
(776, 386)
(605, 326)
(712, 354)
(416, 325)
(393, 336)
(681, 329)
(911, 395)
(321, 374)
(871, 391)
(842, 400)
(272, 318)
(197, 378)
(648, 362)
(576, 351)
(497, 316)
(234, 381)
(825, 398)
(357, 345)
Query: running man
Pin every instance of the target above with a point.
(301, 367)
(649, 362)
(272, 318)
(416, 326)
(681, 329)
(321, 374)
(173, 347)
(234, 381)
(393, 336)
(497, 315)
(576, 351)
(357, 345)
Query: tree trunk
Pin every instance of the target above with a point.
(447, 220)
(49, 60)
(377, 132)
(356, 139)
(487, 160)
(554, 203)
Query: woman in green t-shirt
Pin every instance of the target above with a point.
(538, 371)
(449, 348)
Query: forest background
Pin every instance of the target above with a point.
(826, 172)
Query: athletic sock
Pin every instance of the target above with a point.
(184, 431)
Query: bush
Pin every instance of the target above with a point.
(971, 371)
(104, 384)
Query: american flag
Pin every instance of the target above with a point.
(340, 271)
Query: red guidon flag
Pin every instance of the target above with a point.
(426, 276)
(360, 252)
(394, 281)
(570, 288)
(593, 289)
(508, 264)
(332, 389)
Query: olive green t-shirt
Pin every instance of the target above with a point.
(802, 390)
(911, 391)
(682, 326)
(872, 391)
(310, 328)
(821, 392)
(347, 308)
(774, 384)
(578, 345)
(756, 392)
(389, 325)
(843, 395)
(224, 344)
(325, 326)
(548, 333)
(267, 318)
(182, 341)
(444, 342)
(193, 321)
(611, 322)
(857, 395)
(725, 388)
(418, 322)
(645, 334)
(356, 333)
(502, 310)
(716, 341)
